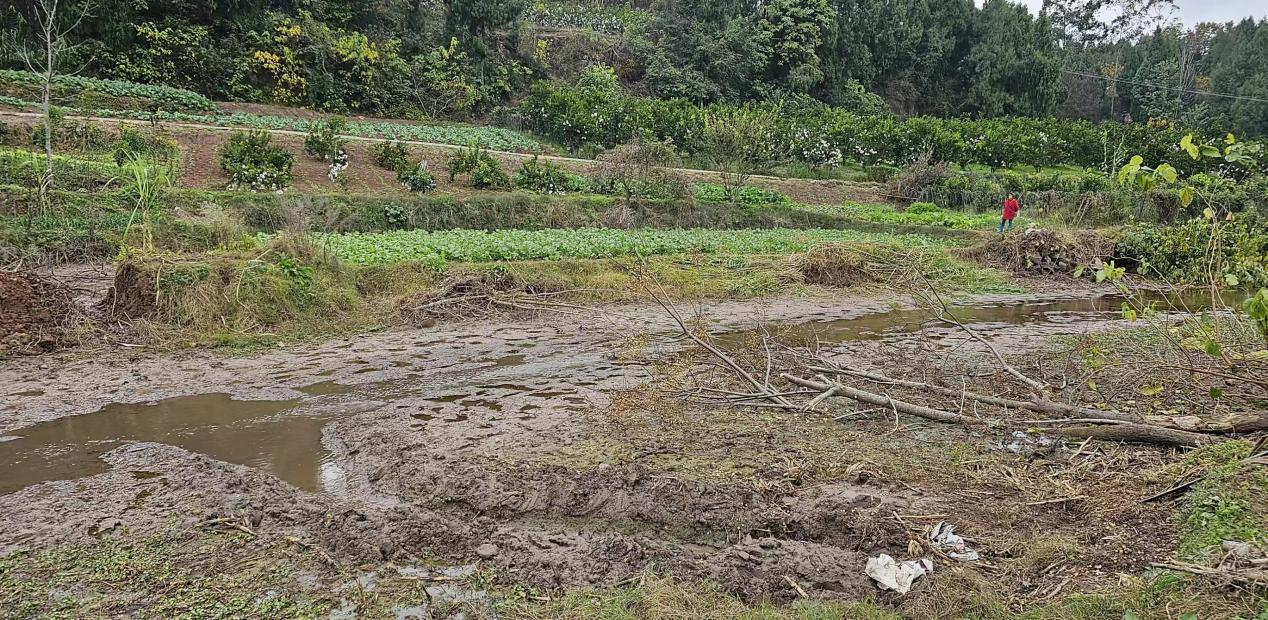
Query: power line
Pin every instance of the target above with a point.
(1205, 93)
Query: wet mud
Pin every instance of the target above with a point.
(496, 443)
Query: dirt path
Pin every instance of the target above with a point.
(202, 155)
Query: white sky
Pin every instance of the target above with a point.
(1194, 11)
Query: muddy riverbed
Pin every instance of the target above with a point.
(512, 444)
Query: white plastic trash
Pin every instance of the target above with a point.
(894, 576)
(943, 537)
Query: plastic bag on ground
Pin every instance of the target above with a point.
(943, 537)
(894, 576)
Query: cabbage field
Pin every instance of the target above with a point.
(552, 244)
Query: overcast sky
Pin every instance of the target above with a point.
(1194, 11)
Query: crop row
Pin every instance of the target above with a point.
(495, 138)
(158, 97)
(504, 245)
(491, 137)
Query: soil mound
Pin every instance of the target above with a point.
(833, 264)
(133, 295)
(1039, 251)
(35, 314)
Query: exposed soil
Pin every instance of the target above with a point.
(132, 296)
(35, 313)
(555, 451)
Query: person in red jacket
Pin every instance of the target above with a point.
(1010, 212)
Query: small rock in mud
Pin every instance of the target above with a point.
(487, 551)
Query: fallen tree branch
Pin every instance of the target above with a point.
(1245, 576)
(1040, 405)
(1137, 433)
(879, 400)
(668, 306)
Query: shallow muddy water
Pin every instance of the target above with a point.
(284, 436)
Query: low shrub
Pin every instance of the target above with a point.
(253, 162)
(134, 143)
(922, 173)
(1180, 253)
(324, 141)
(489, 175)
(548, 178)
(415, 177)
(390, 155)
(482, 170)
(68, 134)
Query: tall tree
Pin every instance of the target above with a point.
(1013, 64)
(1094, 22)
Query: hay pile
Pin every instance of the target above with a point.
(834, 264)
(1041, 252)
(36, 315)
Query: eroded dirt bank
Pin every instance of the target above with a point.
(539, 449)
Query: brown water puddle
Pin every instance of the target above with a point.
(257, 433)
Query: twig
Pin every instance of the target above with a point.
(1059, 500)
(668, 306)
(795, 586)
(942, 314)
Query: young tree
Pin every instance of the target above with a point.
(639, 169)
(741, 141)
(43, 50)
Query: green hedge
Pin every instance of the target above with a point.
(271, 212)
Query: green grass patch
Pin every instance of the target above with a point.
(1231, 503)
(25, 168)
(269, 212)
(923, 214)
(661, 597)
(746, 195)
(113, 578)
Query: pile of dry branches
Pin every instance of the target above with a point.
(1042, 251)
(481, 295)
(805, 381)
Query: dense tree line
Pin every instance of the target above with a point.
(455, 59)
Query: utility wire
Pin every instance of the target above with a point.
(1205, 93)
